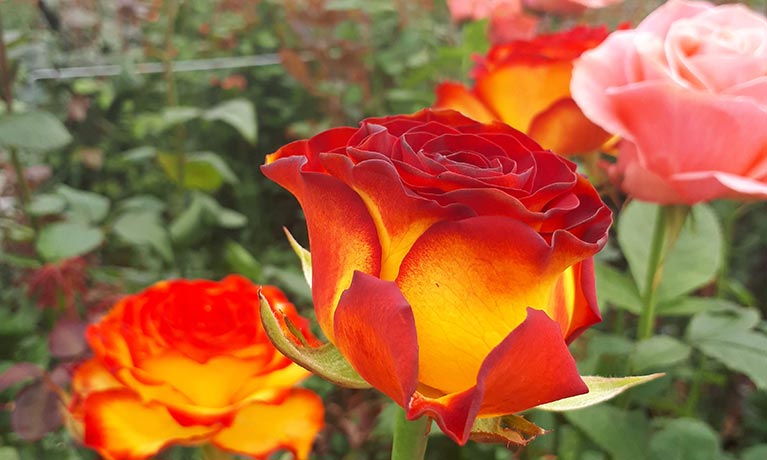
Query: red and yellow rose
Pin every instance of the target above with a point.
(451, 260)
(188, 362)
(526, 84)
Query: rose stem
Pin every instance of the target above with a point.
(668, 223)
(410, 437)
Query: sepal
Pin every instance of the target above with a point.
(600, 389)
(303, 255)
(513, 429)
(325, 360)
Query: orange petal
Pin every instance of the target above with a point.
(574, 297)
(531, 366)
(375, 331)
(262, 428)
(342, 234)
(469, 284)
(400, 216)
(517, 93)
(564, 129)
(118, 424)
(455, 96)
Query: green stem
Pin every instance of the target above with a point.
(211, 452)
(668, 224)
(410, 437)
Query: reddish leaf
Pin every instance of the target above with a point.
(67, 338)
(35, 411)
(18, 373)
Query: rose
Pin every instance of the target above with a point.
(526, 84)
(507, 18)
(451, 260)
(189, 362)
(687, 91)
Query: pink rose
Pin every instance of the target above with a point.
(687, 91)
(507, 19)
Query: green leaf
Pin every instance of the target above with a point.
(229, 218)
(757, 452)
(241, 261)
(600, 389)
(660, 351)
(8, 453)
(617, 288)
(191, 224)
(694, 259)
(144, 228)
(138, 154)
(622, 434)
(37, 131)
(46, 204)
(202, 170)
(685, 439)
(237, 113)
(728, 337)
(88, 206)
(688, 306)
(325, 361)
(303, 255)
(505, 429)
(172, 116)
(62, 240)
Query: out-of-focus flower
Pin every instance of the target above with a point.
(188, 362)
(526, 84)
(507, 18)
(687, 91)
(568, 6)
(451, 260)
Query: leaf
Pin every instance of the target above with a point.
(35, 411)
(660, 351)
(622, 434)
(9, 453)
(46, 204)
(19, 372)
(138, 154)
(687, 306)
(325, 361)
(202, 170)
(506, 429)
(757, 452)
(144, 228)
(617, 288)
(67, 338)
(303, 255)
(62, 240)
(694, 259)
(172, 116)
(241, 261)
(600, 389)
(237, 113)
(685, 439)
(229, 218)
(729, 337)
(88, 206)
(36, 131)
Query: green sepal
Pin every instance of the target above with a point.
(506, 429)
(325, 361)
(600, 389)
(303, 255)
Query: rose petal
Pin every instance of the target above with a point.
(455, 96)
(564, 129)
(375, 331)
(262, 428)
(119, 424)
(531, 366)
(516, 94)
(504, 267)
(342, 237)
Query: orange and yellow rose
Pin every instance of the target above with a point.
(451, 260)
(526, 84)
(188, 362)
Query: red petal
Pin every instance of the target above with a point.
(531, 366)
(342, 234)
(375, 331)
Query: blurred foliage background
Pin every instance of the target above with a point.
(139, 126)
